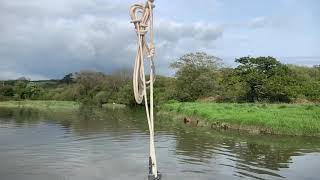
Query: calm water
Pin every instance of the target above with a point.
(113, 144)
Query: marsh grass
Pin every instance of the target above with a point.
(291, 119)
(42, 105)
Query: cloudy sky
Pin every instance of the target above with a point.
(44, 39)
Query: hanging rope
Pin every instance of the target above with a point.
(142, 18)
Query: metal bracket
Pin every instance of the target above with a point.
(152, 176)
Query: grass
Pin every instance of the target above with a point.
(42, 105)
(114, 106)
(289, 119)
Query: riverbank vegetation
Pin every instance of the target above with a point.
(290, 119)
(257, 84)
(36, 104)
(198, 76)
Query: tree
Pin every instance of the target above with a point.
(164, 89)
(125, 95)
(197, 76)
(232, 89)
(19, 88)
(31, 91)
(317, 74)
(265, 78)
(305, 82)
(91, 82)
(67, 79)
(6, 90)
(119, 78)
(102, 97)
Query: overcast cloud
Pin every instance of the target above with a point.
(44, 39)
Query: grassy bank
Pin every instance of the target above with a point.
(42, 105)
(289, 119)
(114, 106)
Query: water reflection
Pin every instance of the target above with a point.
(249, 155)
(98, 143)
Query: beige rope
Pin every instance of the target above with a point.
(142, 18)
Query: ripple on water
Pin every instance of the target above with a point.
(54, 146)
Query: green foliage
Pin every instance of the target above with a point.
(32, 91)
(68, 79)
(101, 98)
(67, 93)
(19, 88)
(124, 95)
(305, 82)
(232, 88)
(6, 90)
(90, 82)
(164, 89)
(265, 79)
(197, 76)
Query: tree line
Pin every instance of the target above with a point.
(199, 76)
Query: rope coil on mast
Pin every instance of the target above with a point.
(142, 25)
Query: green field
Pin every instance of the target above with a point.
(53, 105)
(289, 119)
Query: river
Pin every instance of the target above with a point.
(93, 144)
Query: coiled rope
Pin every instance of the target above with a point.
(142, 18)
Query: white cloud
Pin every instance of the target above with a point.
(52, 38)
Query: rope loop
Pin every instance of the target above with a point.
(142, 18)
